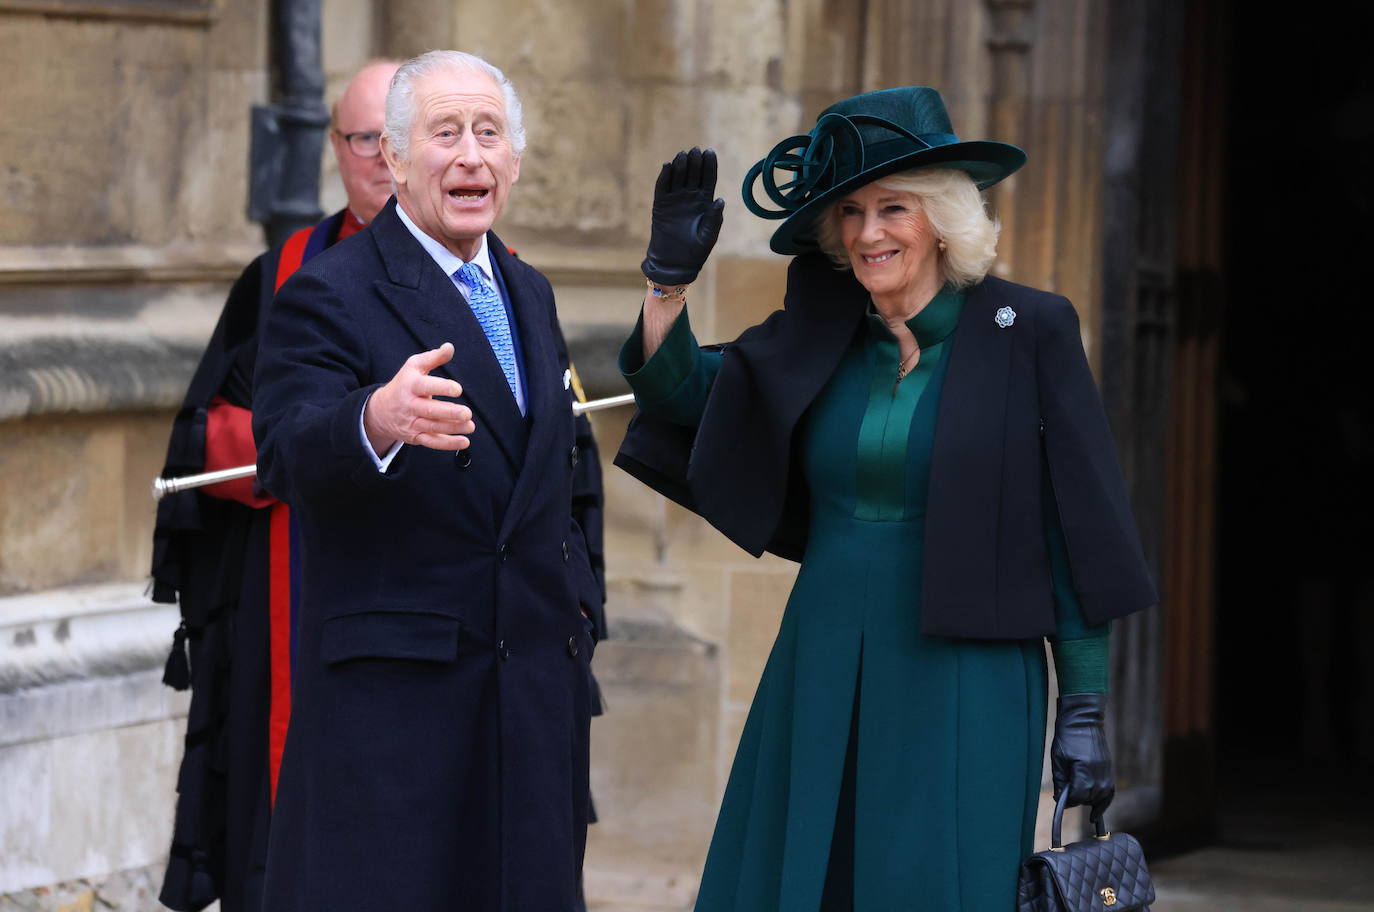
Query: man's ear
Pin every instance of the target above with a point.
(393, 161)
(515, 172)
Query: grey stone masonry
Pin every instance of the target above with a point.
(90, 741)
(134, 890)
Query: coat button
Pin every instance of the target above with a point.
(572, 646)
(565, 550)
(572, 456)
(502, 650)
(463, 458)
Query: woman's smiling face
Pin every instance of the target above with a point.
(890, 243)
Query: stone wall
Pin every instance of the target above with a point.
(123, 151)
(123, 146)
(89, 743)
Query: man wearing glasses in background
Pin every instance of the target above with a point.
(223, 552)
(355, 131)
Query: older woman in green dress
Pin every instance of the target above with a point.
(927, 441)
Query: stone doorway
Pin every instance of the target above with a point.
(1237, 207)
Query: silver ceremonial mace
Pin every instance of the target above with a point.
(164, 486)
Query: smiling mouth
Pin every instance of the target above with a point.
(880, 258)
(467, 194)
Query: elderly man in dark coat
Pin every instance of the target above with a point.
(412, 408)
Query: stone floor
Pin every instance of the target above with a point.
(124, 891)
(1281, 848)
(1303, 849)
(1278, 849)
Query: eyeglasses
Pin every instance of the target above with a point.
(365, 144)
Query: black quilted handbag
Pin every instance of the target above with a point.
(1106, 872)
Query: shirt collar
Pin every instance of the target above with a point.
(448, 261)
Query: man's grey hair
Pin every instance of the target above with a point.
(400, 99)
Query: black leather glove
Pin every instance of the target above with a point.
(1079, 759)
(686, 221)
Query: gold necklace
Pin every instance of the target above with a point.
(901, 365)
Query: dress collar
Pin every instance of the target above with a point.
(933, 325)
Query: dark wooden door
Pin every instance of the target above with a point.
(1161, 297)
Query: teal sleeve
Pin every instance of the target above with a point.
(1080, 650)
(674, 383)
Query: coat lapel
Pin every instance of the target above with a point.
(429, 305)
(544, 405)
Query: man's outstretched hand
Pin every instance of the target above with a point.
(406, 409)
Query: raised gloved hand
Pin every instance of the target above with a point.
(686, 220)
(1079, 759)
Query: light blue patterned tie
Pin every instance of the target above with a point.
(491, 313)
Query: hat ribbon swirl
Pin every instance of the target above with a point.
(813, 158)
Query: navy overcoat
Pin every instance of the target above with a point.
(437, 753)
(1018, 402)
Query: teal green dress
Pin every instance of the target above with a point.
(879, 768)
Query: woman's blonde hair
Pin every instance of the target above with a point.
(955, 210)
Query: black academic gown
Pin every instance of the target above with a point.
(210, 555)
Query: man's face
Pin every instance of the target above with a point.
(461, 163)
(360, 112)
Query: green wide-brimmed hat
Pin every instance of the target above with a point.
(858, 141)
